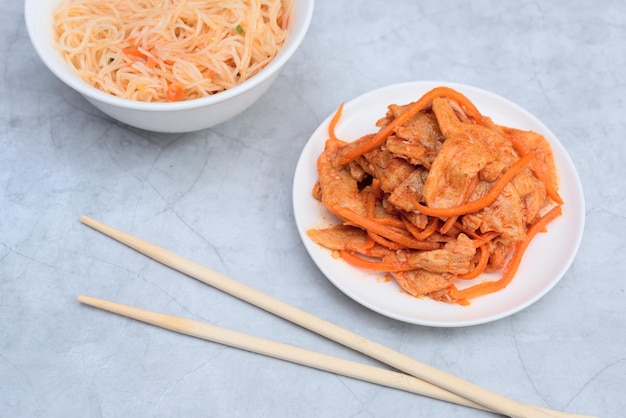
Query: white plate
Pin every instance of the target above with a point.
(545, 262)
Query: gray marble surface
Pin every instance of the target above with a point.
(222, 197)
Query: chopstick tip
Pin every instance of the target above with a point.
(90, 222)
(86, 300)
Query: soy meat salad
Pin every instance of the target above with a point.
(439, 195)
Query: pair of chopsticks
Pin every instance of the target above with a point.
(417, 378)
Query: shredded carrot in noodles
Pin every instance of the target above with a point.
(139, 49)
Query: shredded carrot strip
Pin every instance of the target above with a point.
(469, 233)
(550, 190)
(392, 222)
(370, 210)
(539, 172)
(480, 266)
(373, 265)
(421, 235)
(511, 268)
(372, 225)
(384, 242)
(357, 148)
(478, 239)
(175, 92)
(448, 224)
(481, 240)
(133, 51)
(333, 122)
(483, 202)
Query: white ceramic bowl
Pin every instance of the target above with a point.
(184, 116)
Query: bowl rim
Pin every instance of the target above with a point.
(292, 43)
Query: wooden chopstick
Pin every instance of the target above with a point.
(488, 399)
(281, 351)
